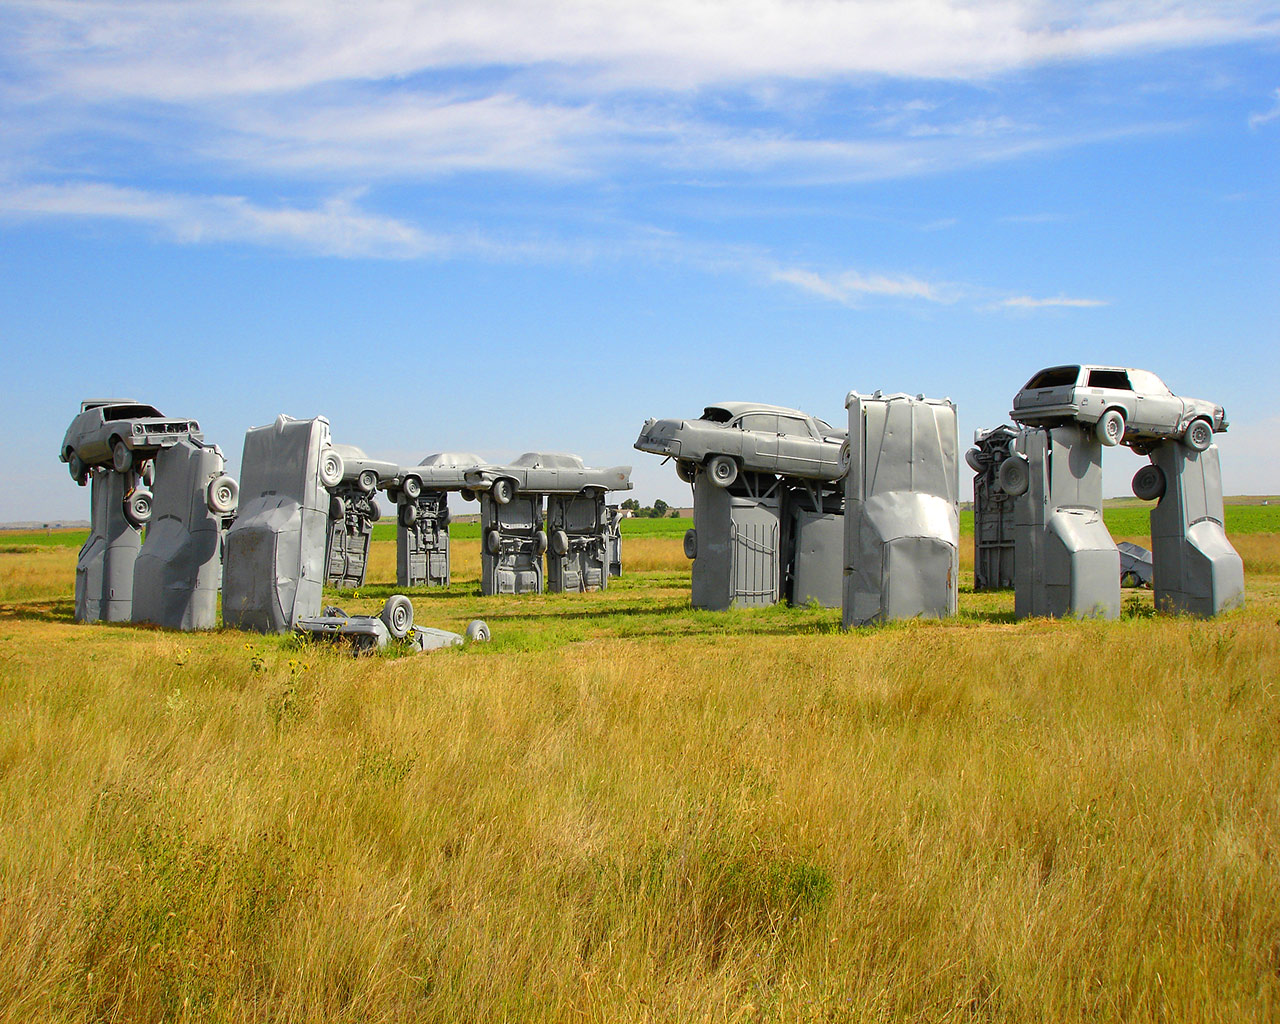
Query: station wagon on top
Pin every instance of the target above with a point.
(118, 432)
(1121, 404)
(733, 437)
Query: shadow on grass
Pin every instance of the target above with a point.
(60, 609)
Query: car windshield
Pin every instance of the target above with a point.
(1054, 377)
(130, 412)
(1148, 383)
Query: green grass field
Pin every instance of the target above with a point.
(623, 809)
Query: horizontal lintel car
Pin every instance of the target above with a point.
(546, 473)
(119, 432)
(1120, 403)
(733, 437)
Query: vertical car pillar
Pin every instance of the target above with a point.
(274, 566)
(736, 547)
(813, 545)
(902, 522)
(104, 568)
(352, 513)
(1065, 562)
(613, 536)
(422, 540)
(179, 570)
(993, 511)
(1197, 571)
(512, 544)
(577, 542)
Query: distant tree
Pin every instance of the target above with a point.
(631, 505)
(674, 513)
(660, 509)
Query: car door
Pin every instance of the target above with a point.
(759, 441)
(1159, 409)
(798, 448)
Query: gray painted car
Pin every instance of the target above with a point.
(361, 472)
(1120, 403)
(441, 471)
(732, 437)
(546, 473)
(119, 432)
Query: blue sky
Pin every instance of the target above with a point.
(500, 227)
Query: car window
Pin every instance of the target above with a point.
(762, 421)
(1116, 380)
(715, 414)
(130, 412)
(793, 425)
(824, 426)
(1054, 377)
(1148, 383)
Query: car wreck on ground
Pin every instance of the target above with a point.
(731, 438)
(394, 623)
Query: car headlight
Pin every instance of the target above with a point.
(138, 428)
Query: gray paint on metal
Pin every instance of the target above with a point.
(1065, 562)
(818, 574)
(104, 568)
(581, 522)
(739, 546)
(422, 549)
(179, 569)
(274, 564)
(1135, 564)
(516, 566)
(351, 516)
(902, 523)
(1197, 571)
(993, 511)
(613, 537)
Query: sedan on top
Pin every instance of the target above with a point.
(734, 437)
(1121, 404)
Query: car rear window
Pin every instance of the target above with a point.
(1054, 377)
(1116, 380)
(715, 414)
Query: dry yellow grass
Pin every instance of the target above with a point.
(752, 820)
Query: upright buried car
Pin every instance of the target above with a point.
(118, 432)
(1120, 404)
(732, 437)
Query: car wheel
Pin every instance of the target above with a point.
(121, 457)
(408, 515)
(137, 508)
(1014, 476)
(337, 507)
(686, 470)
(375, 513)
(467, 494)
(222, 495)
(397, 616)
(539, 543)
(76, 467)
(367, 481)
(412, 487)
(1199, 435)
(1148, 483)
(1110, 427)
(559, 542)
(722, 470)
(493, 542)
(503, 491)
(1130, 579)
(690, 543)
(973, 458)
(477, 631)
(331, 467)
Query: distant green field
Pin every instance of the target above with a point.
(1125, 521)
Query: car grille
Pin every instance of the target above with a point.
(179, 427)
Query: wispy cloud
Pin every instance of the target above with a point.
(1259, 119)
(849, 287)
(1030, 302)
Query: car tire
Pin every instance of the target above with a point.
(411, 486)
(467, 494)
(137, 508)
(337, 507)
(331, 467)
(503, 491)
(222, 495)
(477, 632)
(559, 542)
(1014, 476)
(121, 456)
(367, 481)
(493, 542)
(397, 616)
(375, 513)
(690, 544)
(1149, 483)
(1110, 428)
(540, 543)
(973, 459)
(686, 470)
(1199, 435)
(408, 515)
(1129, 578)
(76, 467)
(722, 470)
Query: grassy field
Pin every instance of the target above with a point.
(624, 809)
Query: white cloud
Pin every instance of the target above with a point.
(850, 286)
(1256, 120)
(1029, 302)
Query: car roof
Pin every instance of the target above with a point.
(98, 403)
(548, 460)
(452, 459)
(736, 409)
